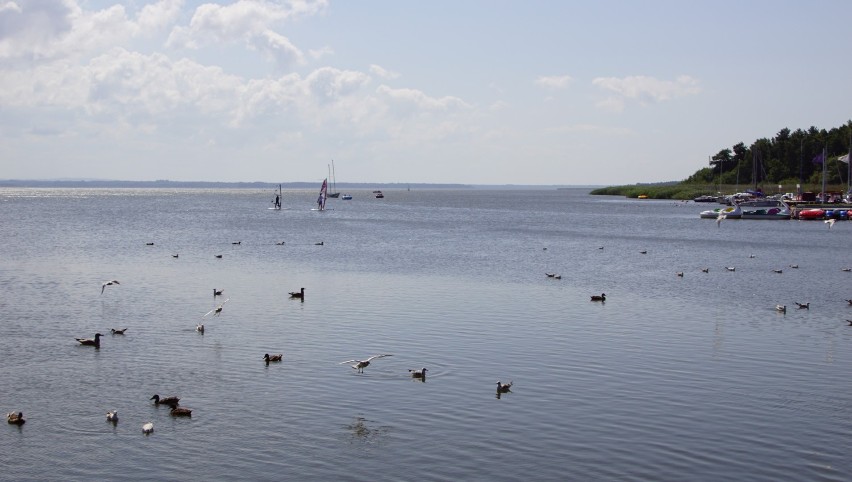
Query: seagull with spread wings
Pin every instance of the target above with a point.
(361, 364)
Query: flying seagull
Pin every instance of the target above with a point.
(359, 365)
(108, 283)
(216, 310)
(830, 222)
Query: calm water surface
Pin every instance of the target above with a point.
(673, 378)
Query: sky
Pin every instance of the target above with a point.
(444, 91)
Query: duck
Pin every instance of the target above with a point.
(148, 428)
(218, 292)
(846, 269)
(705, 270)
(680, 274)
(360, 365)
(108, 283)
(298, 294)
(149, 244)
(175, 255)
(112, 416)
(550, 275)
(559, 276)
(200, 328)
(806, 306)
(644, 251)
(95, 342)
(280, 243)
(504, 388)
(777, 271)
(602, 297)
(781, 308)
(170, 401)
(15, 418)
(180, 412)
(219, 256)
(418, 373)
(237, 242)
(273, 358)
(321, 243)
(117, 332)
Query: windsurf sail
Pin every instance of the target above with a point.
(323, 195)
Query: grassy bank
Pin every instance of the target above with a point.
(684, 191)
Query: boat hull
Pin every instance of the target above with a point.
(730, 212)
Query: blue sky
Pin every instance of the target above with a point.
(477, 92)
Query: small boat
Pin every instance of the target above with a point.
(333, 194)
(346, 197)
(705, 199)
(765, 209)
(379, 194)
(643, 196)
(730, 212)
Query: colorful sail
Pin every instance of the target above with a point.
(323, 195)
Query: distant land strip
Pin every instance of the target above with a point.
(162, 183)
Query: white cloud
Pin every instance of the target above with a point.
(554, 82)
(380, 71)
(247, 21)
(644, 89)
(417, 98)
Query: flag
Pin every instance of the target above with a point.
(819, 158)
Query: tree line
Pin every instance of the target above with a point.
(788, 158)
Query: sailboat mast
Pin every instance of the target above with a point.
(333, 177)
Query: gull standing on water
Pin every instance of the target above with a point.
(359, 365)
(108, 283)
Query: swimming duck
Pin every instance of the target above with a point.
(217, 256)
(95, 342)
(15, 418)
(418, 373)
(218, 292)
(298, 294)
(550, 275)
(175, 255)
(321, 243)
(781, 308)
(148, 428)
(806, 306)
(108, 283)
(149, 244)
(705, 270)
(777, 271)
(237, 242)
(170, 401)
(180, 412)
(504, 388)
(273, 358)
(112, 416)
(117, 332)
(846, 269)
(644, 251)
(200, 328)
(680, 274)
(282, 243)
(602, 297)
(359, 365)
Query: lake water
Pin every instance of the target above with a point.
(672, 378)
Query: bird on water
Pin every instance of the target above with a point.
(170, 401)
(298, 294)
(418, 373)
(15, 418)
(504, 387)
(360, 365)
(95, 342)
(602, 297)
(273, 358)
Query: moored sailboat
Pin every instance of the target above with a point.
(334, 193)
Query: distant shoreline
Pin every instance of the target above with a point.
(99, 183)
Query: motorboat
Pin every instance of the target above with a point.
(765, 209)
(730, 212)
(346, 197)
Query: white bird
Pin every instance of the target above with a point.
(719, 219)
(216, 310)
(830, 222)
(108, 283)
(781, 308)
(148, 428)
(112, 416)
(361, 364)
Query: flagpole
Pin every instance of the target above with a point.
(824, 199)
